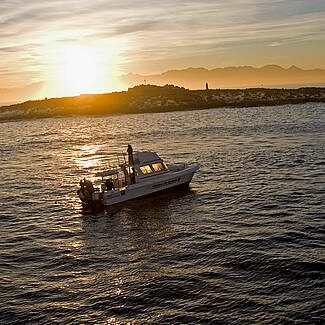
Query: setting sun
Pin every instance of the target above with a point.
(79, 69)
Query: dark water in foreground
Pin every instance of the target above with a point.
(245, 245)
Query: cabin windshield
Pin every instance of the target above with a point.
(153, 168)
(145, 169)
(158, 167)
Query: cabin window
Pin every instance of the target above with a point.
(145, 169)
(158, 167)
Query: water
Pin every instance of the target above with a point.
(244, 245)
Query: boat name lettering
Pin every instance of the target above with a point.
(166, 183)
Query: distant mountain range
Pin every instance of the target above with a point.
(196, 78)
(233, 77)
(14, 95)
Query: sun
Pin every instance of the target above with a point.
(80, 69)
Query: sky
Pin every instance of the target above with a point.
(80, 46)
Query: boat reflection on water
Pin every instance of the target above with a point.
(152, 212)
(130, 238)
(142, 207)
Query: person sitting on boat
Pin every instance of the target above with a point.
(88, 185)
(86, 189)
(109, 184)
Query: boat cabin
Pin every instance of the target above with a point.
(147, 163)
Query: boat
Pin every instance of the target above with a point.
(140, 174)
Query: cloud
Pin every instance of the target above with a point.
(151, 30)
(273, 44)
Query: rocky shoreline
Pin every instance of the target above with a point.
(151, 99)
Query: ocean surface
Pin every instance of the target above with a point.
(244, 245)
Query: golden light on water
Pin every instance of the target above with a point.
(87, 157)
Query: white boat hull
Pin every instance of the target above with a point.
(164, 182)
(144, 173)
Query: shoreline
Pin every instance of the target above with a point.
(158, 99)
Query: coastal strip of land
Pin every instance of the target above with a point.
(151, 99)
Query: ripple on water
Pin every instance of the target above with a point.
(245, 245)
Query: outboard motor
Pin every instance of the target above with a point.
(86, 191)
(89, 196)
